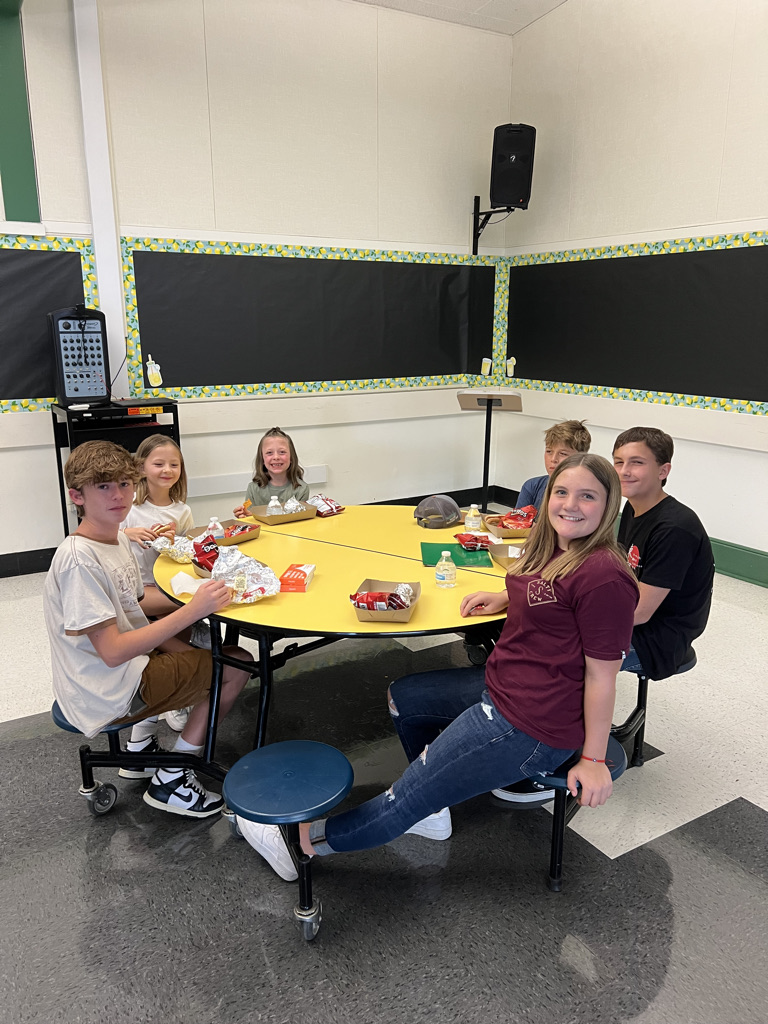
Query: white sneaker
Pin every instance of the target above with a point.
(268, 841)
(524, 792)
(176, 720)
(435, 826)
(180, 793)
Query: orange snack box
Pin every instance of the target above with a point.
(296, 578)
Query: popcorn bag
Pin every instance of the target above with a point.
(296, 578)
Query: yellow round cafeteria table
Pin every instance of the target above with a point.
(380, 542)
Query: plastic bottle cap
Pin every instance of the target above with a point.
(446, 554)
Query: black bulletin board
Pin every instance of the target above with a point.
(33, 282)
(232, 319)
(694, 323)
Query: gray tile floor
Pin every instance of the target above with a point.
(138, 916)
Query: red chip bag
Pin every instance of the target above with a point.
(472, 542)
(206, 551)
(519, 518)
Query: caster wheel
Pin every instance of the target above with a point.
(103, 800)
(234, 830)
(476, 654)
(309, 921)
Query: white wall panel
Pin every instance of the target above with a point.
(653, 112)
(54, 101)
(442, 90)
(293, 116)
(153, 53)
(744, 185)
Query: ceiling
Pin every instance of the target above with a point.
(504, 16)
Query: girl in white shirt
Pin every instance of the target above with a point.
(158, 509)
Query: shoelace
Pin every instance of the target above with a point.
(190, 781)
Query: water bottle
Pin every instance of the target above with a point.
(472, 520)
(445, 571)
(274, 508)
(215, 529)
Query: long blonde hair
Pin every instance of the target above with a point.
(179, 490)
(537, 557)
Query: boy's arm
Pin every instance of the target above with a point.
(115, 648)
(650, 599)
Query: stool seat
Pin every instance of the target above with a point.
(63, 722)
(292, 781)
(616, 762)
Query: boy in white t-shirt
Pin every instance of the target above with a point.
(109, 663)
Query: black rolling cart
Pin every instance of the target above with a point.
(126, 421)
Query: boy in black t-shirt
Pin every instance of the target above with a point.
(669, 551)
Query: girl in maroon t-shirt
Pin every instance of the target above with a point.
(548, 687)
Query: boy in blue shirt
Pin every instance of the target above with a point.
(560, 441)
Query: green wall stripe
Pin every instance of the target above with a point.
(17, 160)
(742, 563)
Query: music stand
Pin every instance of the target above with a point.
(489, 399)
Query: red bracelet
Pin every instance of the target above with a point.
(594, 760)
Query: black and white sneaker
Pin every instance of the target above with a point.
(180, 793)
(151, 746)
(524, 792)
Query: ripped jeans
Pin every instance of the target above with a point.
(459, 746)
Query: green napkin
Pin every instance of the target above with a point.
(430, 555)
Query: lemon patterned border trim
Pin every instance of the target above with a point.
(320, 252)
(499, 347)
(724, 241)
(53, 243)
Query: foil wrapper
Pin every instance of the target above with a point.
(291, 506)
(181, 549)
(249, 579)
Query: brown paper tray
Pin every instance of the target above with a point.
(252, 534)
(259, 512)
(401, 615)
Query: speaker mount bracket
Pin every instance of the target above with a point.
(478, 225)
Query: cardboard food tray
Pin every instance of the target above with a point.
(253, 532)
(401, 615)
(505, 554)
(491, 524)
(259, 512)
(200, 571)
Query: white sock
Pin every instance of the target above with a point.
(181, 746)
(143, 731)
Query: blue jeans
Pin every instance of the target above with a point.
(459, 745)
(631, 662)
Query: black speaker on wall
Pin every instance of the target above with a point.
(512, 165)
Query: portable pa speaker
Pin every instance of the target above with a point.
(512, 165)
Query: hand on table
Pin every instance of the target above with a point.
(211, 596)
(484, 603)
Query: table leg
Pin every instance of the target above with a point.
(217, 673)
(265, 688)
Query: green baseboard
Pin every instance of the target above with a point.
(742, 563)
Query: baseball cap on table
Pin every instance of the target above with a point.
(437, 511)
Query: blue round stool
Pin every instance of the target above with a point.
(283, 784)
(566, 805)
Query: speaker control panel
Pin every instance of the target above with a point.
(80, 343)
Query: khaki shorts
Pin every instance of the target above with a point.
(176, 680)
